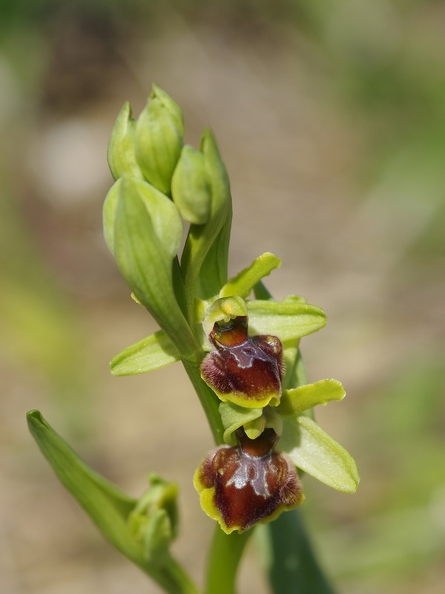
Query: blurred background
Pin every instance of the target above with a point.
(331, 120)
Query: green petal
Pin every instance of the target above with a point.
(243, 283)
(315, 452)
(297, 400)
(148, 354)
(289, 319)
(233, 417)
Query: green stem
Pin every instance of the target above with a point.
(209, 401)
(224, 558)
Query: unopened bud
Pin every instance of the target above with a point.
(191, 190)
(159, 133)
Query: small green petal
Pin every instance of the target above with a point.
(289, 319)
(224, 310)
(150, 353)
(315, 452)
(243, 283)
(233, 417)
(297, 400)
(121, 148)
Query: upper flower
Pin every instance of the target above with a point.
(245, 371)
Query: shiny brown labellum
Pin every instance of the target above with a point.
(252, 482)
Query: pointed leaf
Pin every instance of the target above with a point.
(243, 283)
(106, 505)
(297, 400)
(150, 353)
(315, 452)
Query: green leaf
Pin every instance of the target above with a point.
(106, 505)
(289, 557)
(150, 353)
(289, 319)
(243, 283)
(142, 230)
(316, 453)
(297, 400)
(121, 148)
(159, 141)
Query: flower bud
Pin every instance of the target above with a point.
(247, 483)
(121, 148)
(159, 134)
(191, 188)
(245, 371)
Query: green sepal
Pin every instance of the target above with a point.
(233, 417)
(159, 139)
(316, 453)
(289, 319)
(121, 147)
(297, 400)
(154, 520)
(142, 229)
(150, 353)
(243, 283)
(191, 188)
(214, 234)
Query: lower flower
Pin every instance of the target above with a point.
(242, 485)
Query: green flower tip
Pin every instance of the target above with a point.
(246, 484)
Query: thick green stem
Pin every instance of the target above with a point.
(224, 558)
(209, 401)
